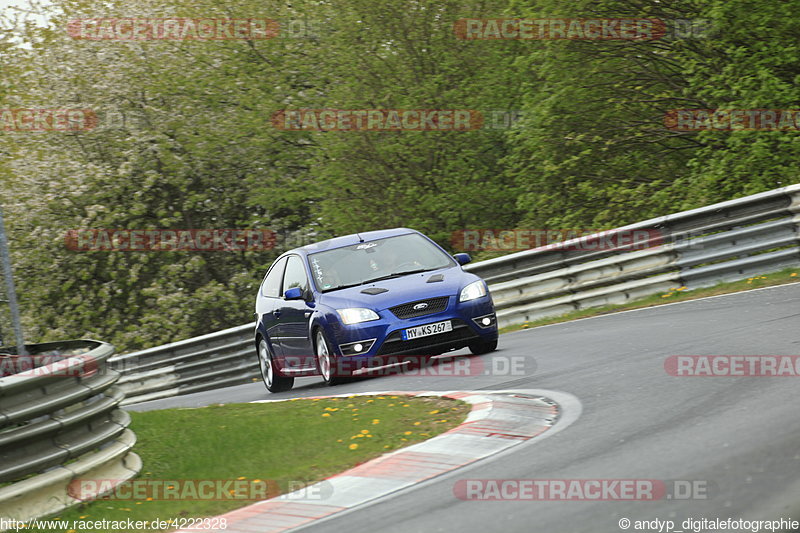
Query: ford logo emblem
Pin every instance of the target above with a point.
(421, 306)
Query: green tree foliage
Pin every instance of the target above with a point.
(185, 140)
(598, 153)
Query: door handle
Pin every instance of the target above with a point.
(307, 314)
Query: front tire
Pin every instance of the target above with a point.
(481, 346)
(326, 360)
(269, 374)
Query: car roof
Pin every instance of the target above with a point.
(350, 240)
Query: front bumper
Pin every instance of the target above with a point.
(384, 336)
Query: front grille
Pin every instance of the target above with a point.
(459, 337)
(435, 305)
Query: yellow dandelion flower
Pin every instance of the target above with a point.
(433, 412)
(326, 414)
(241, 478)
(793, 275)
(407, 433)
(364, 431)
(417, 423)
(353, 446)
(376, 421)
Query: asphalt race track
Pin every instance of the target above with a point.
(738, 435)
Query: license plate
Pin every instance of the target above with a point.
(427, 329)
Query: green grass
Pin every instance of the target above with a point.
(294, 441)
(677, 294)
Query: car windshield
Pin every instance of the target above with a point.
(376, 260)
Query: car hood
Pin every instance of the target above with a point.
(401, 290)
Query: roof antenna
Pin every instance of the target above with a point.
(360, 238)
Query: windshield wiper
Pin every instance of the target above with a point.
(381, 278)
(398, 274)
(343, 287)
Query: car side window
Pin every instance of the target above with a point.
(295, 275)
(271, 288)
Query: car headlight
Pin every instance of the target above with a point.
(354, 315)
(474, 290)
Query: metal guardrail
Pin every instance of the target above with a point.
(698, 248)
(59, 421)
(721, 242)
(219, 359)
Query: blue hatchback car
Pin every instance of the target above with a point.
(364, 300)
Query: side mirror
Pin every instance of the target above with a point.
(295, 293)
(462, 259)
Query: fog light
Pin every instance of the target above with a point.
(357, 347)
(486, 321)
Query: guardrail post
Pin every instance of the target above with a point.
(11, 293)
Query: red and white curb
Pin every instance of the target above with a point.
(498, 421)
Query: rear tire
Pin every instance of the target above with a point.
(481, 347)
(269, 374)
